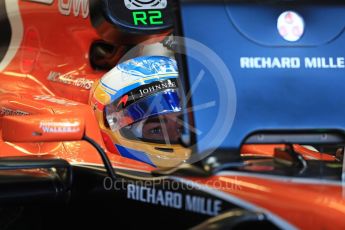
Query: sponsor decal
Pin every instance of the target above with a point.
(144, 91)
(177, 200)
(10, 112)
(55, 100)
(122, 103)
(290, 26)
(70, 80)
(156, 87)
(292, 62)
(60, 127)
(77, 7)
(68, 7)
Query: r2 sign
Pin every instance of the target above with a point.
(145, 18)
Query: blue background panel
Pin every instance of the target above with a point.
(268, 99)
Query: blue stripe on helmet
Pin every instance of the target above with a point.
(134, 155)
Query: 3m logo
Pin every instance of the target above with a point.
(79, 7)
(146, 4)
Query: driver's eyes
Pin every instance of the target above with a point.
(156, 131)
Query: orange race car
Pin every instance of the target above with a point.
(94, 126)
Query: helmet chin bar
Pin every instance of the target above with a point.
(162, 156)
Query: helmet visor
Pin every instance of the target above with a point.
(145, 115)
